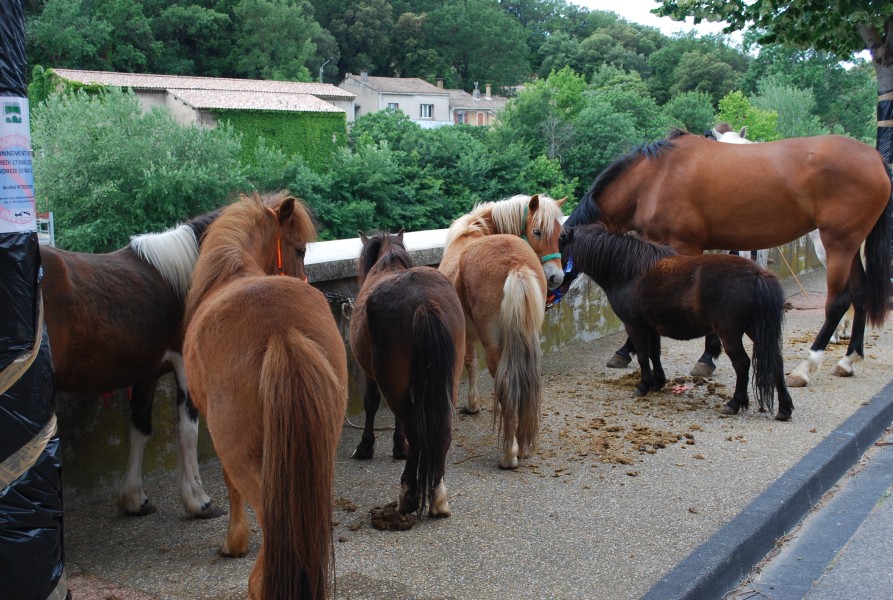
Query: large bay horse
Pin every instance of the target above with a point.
(492, 256)
(656, 292)
(115, 321)
(407, 332)
(694, 194)
(267, 368)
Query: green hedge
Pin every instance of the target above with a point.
(312, 135)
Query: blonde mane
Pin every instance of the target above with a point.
(505, 216)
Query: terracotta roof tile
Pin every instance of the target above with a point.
(244, 100)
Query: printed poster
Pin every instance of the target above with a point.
(17, 207)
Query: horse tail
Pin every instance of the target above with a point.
(431, 381)
(878, 257)
(517, 384)
(768, 323)
(299, 391)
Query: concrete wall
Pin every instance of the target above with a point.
(94, 431)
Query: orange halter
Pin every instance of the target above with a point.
(279, 270)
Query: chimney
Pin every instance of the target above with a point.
(440, 83)
(364, 75)
(476, 93)
(487, 92)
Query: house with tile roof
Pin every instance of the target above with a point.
(474, 108)
(309, 118)
(424, 103)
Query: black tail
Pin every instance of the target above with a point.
(431, 393)
(878, 269)
(768, 322)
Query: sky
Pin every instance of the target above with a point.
(639, 11)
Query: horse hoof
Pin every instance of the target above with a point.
(465, 410)
(146, 509)
(618, 361)
(842, 372)
(508, 466)
(728, 410)
(641, 391)
(400, 454)
(782, 417)
(212, 511)
(362, 453)
(796, 381)
(223, 551)
(702, 370)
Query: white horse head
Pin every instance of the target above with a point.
(732, 137)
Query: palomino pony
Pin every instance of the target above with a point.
(267, 368)
(694, 194)
(115, 321)
(492, 256)
(407, 332)
(656, 292)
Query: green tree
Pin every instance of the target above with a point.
(66, 35)
(795, 108)
(842, 28)
(736, 110)
(692, 111)
(109, 171)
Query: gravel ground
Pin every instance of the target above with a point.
(619, 491)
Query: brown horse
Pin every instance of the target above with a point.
(407, 332)
(115, 321)
(267, 368)
(694, 194)
(656, 292)
(492, 256)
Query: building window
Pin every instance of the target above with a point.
(460, 117)
(427, 111)
(393, 107)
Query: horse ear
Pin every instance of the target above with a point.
(534, 202)
(743, 133)
(363, 237)
(562, 201)
(286, 209)
(715, 133)
(400, 233)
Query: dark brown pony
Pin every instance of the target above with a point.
(656, 292)
(492, 256)
(267, 368)
(694, 194)
(407, 332)
(115, 321)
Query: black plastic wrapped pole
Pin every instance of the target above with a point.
(31, 541)
(885, 125)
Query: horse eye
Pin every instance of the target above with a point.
(301, 252)
(537, 233)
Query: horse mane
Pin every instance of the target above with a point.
(172, 253)
(587, 211)
(505, 216)
(617, 255)
(223, 243)
(371, 253)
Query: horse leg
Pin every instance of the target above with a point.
(855, 351)
(838, 301)
(473, 403)
(409, 481)
(401, 445)
(640, 340)
(658, 377)
(741, 363)
(712, 349)
(371, 401)
(236, 541)
(196, 502)
(131, 496)
(623, 356)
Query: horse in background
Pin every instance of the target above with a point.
(492, 256)
(656, 292)
(407, 332)
(695, 195)
(267, 368)
(115, 321)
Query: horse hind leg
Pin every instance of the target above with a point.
(195, 500)
(705, 367)
(623, 356)
(132, 497)
(855, 352)
(371, 401)
(741, 363)
(473, 401)
(235, 543)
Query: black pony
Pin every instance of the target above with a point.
(656, 292)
